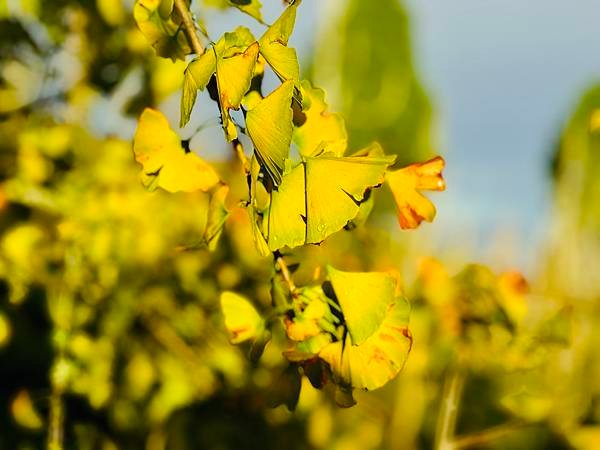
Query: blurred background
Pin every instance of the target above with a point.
(110, 331)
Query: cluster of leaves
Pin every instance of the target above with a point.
(357, 328)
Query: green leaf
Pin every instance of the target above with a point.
(196, 76)
(242, 321)
(217, 215)
(165, 163)
(352, 289)
(321, 131)
(273, 45)
(319, 196)
(168, 40)
(269, 125)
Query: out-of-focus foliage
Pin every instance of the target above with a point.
(574, 254)
(368, 69)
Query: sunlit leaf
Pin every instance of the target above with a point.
(273, 45)
(319, 196)
(269, 125)
(167, 38)
(165, 163)
(380, 357)
(405, 184)
(321, 130)
(196, 77)
(241, 318)
(236, 55)
(352, 289)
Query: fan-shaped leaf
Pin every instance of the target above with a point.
(273, 45)
(165, 163)
(319, 196)
(321, 130)
(405, 184)
(269, 126)
(196, 77)
(379, 358)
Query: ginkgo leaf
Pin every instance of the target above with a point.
(269, 125)
(165, 163)
(217, 215)
(273, 45)
(195, 78)
(236, 55)
(319, 196)
(379, 358)
(405, 184)
(168, 40)
(242, 321)
(364, 298)
(321, 130)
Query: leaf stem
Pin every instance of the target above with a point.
(189, 27)
(285, 273)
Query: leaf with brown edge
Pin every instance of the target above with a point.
(406, 184)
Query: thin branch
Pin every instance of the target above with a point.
(189, 27)
(56, 421)
(444, 436)
(485, 436)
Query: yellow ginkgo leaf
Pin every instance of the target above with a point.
(273, 45)
(165, 163)
(364, 298)
(379, 358)
(164, 34)
(320, 130)
(269, 125)
(196, 77)
(376, 317)
(319, 197)
(241, 318)
(236, 55)
(405, 184)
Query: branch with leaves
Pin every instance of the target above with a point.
(304, 185)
